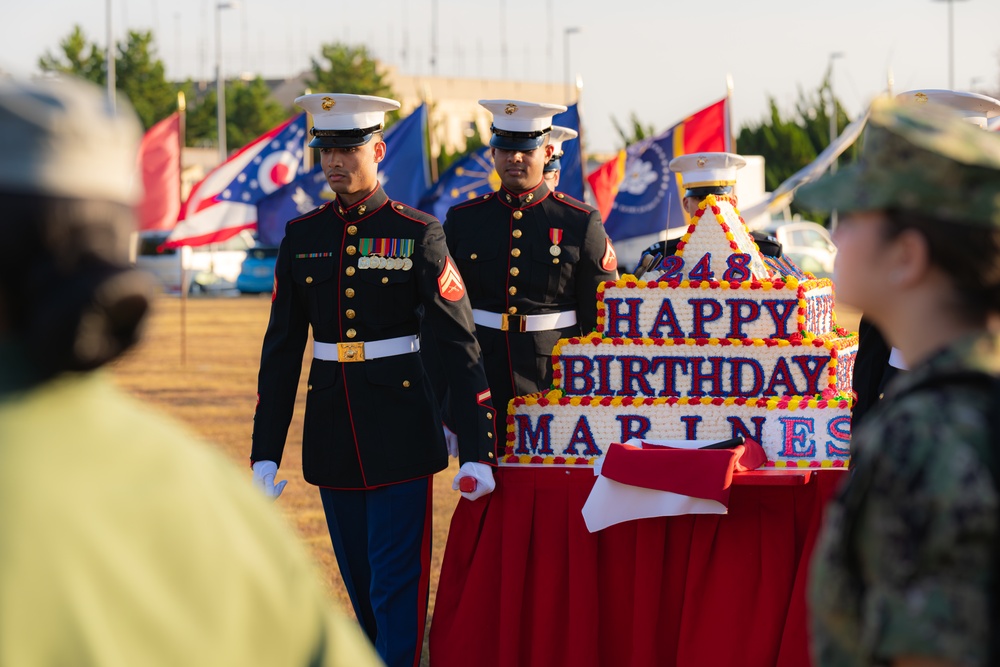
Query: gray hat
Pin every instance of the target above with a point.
(62, 138)
(920, 158)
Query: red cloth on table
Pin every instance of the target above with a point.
(699, 473)
(524, 583)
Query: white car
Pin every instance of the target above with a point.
(211, 267)
(806, 243)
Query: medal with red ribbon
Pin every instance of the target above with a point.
(555, 235)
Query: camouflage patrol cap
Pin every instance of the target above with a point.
(923, 159)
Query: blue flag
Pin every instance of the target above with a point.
(571, 174)
(405, 171)
(468, 178)
(403, 174)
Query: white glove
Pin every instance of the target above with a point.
(263, 479)
(481, 473)
(451, 440)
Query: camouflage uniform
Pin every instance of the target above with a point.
(905, 564)
(896, 584)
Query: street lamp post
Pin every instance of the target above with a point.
(220, 82)
(833, 108)
(833, 129)
(566, 33)
(951, 41)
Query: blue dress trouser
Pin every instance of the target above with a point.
(382, 540)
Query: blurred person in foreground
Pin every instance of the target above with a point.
(905, 567)
(123, 540)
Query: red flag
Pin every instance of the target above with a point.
(604, 181)
(705, 131)
(160, 165)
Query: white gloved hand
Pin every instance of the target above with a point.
(451, 440)
(263, 479)
(481, 473)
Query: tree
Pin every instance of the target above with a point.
(790, 143)
(636, 133)
(250, 112)
(348, 69)
(139, 73)
(78, 58)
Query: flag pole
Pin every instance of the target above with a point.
(730, 135)
(181, 117)
(583, 153)
(307, 153)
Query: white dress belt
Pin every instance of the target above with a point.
(524, 323)
(363, 351)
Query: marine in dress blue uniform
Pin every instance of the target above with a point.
(553, 167)
(359, 271)
(531, 258)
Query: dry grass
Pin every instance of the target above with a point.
(212, 388)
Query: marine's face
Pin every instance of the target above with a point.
(521, 171)
(352, 172)
(859, 268)
(552, 179)
(691, 205)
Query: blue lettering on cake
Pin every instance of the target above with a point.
(540, 439)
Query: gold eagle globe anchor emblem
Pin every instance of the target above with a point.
(510, 109)
(328, 103)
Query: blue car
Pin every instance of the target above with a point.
(257, 273)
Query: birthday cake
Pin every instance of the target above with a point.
(722, 341)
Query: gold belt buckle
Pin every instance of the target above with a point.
(349, 352)
(505, 319)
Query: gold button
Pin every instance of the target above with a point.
(512, 310)
(516, 233)
(489, 435)
(349, 292)
(349, 271)
(512, 291)
(309, 387)
(516, 252)
(555, 260)
(406, 383)
(385, 279)
(473, 256)
(880, 396)
(350, 314)
(559, 195)
(309, 279)
(489, 454)
(352, 230)
(351, 250)
(518, 215)
(530, 196)
(489, 415)
(362, 209)
(351, 333)
(514, 271)
(399, 207)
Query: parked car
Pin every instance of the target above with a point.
(257, 273)
(211, 267)
(806, 243)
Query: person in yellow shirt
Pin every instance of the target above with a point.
(123, 540)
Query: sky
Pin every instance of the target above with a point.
(659, 59)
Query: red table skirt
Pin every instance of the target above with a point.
(524, 583)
